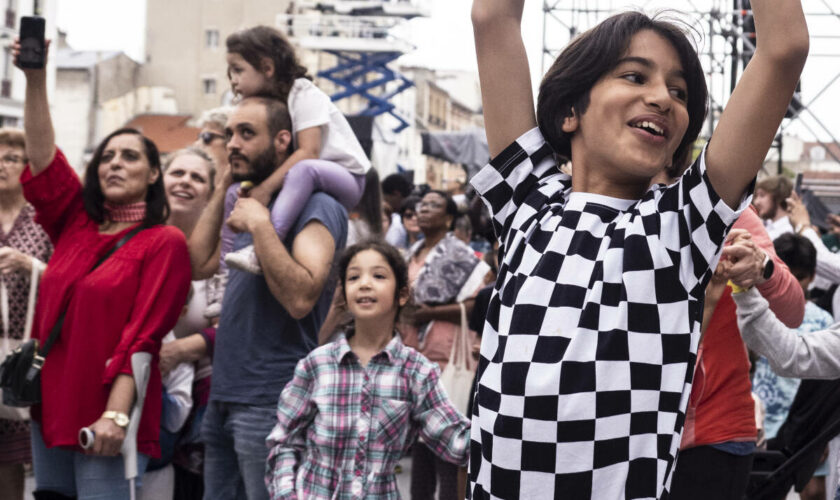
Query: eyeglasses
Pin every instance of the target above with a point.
(208, 137)
(409, 215)
(12, 160)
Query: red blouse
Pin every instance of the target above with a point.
(125, 306)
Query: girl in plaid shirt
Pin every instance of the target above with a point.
(356, 405)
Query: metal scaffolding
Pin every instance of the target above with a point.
(359, 33)
(724, 44)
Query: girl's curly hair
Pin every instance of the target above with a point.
(264, 42)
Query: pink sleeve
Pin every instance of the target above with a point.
(164, 284)
(782, 290)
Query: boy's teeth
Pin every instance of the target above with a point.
(651, 126)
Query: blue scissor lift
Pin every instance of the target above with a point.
(359, 34)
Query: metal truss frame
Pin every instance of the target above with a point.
(353, 74)
(727, 46)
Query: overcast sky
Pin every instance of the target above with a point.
(444, 40)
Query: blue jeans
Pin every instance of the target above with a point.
(235, 451)
(75, 474)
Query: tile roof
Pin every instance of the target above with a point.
(169, 132)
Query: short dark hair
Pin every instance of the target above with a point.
(397, 183)
(409, 203)
(259, 42)
(157, 207)
(276, 112)
(391, 255)
(567, 84)
(778, 186)
(798, 253)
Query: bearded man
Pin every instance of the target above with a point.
(268, 321)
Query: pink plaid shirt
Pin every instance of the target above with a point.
(343, 427)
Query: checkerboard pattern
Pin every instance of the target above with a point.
(591, 335)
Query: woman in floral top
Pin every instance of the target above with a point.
(21, 240)
(356, 405)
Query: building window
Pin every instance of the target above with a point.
(211, 39)
(209, 85)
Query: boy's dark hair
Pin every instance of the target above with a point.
(157, 207)
(259, 42)
(566, 87)
(397, 183)
(779, 187)
(391, 255)
(798, 253)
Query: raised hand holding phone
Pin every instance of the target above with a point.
(32, 53)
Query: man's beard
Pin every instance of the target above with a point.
(261, 167)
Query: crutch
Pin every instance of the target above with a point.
(141, 370)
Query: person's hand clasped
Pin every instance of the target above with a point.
(170, 356)
(247, 214)
(742, 262)
(12, 260)
(108, 437)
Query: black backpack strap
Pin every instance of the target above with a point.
(56, 329)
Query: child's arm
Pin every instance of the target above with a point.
(503, 71)
(757, 106)
(287, 440)
(810, 355)
(178, 399)
(308, 148)
(445, 430)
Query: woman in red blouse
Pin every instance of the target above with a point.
(125, 305)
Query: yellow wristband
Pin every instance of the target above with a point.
(736, 288)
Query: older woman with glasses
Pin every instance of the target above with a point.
(123, 306)
(444, 272)
(22, 244)
(212, 140)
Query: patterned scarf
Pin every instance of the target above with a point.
(448, 267)
(132, 212)
(450, 274)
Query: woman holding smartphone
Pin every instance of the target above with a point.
(123, 306)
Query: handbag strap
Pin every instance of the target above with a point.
(34, 280)
(56, 329)
(458, 354)
(4, 317)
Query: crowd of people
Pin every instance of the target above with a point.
(643, 320)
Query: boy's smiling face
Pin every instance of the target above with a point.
(636, 117)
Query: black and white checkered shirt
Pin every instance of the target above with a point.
(591, 334)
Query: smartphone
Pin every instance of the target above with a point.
(797, 185)
(32, 45)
